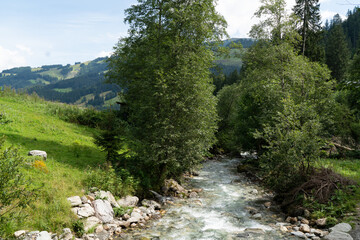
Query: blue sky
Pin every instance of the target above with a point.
(43, 32)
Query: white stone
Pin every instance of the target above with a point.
(135, 217)
(99, 229)
(103, 210)
(341, 227)
(305, 228)
(151, 204)
(38, 153)
(86, 211)
(66, 235)
(299, 234)
(334, 235)
(283, 229)
(75, 201)
(257, 216)
(43, 236)
(91, 222)
(128, 201)
(19, 233)
(108, 196)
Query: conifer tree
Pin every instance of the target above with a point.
(310, 28)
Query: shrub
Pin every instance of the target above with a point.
(119, 183)
(16, 191)
(40, 165)
(120, 211)
(78, 228)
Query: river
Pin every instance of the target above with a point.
(220, 212)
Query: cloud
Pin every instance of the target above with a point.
(24, 49)
(104, 54)
(11, 58)
(329, 15)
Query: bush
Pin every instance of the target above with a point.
(16, 191)
(78, 228)
(119, 183)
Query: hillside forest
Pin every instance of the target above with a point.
(175, 94)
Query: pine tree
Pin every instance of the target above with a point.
(337, 50)
(163, 65)
(310, 28)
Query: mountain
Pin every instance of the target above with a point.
(83, 83)
(80, 84)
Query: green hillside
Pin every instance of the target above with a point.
(33, 126)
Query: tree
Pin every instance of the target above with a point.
(163, 66)
(277, 26)
(337, 50)
(308, 12)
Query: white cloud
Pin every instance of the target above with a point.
(104, 54)
(329, 15)
(11, 58)
(24, 49)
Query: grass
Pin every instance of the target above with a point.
(53, 72)
(70, 150)
(349, 168)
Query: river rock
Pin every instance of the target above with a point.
(193, 195)
(174, 188)
(85, 211)
(66, 234)
(257, 216)
(150, 204)
(321, 222)
(107, 196)
(19, 233)
(91, 222)
(335, 235)
(40, 153)
(135, 217)
(103, 210)
(43, 236)
(84, 199)
(128, 201)
(283, 229)
(305, 221)
(75, 201)
(341, 227)
(304, 228)
(299, 234)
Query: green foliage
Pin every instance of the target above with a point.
(120, 182)
(16, 190)
(293, 145)
(309, 27)
(164, 67)
(343, 202)
(337, 50)
(78, 228)
(120, 211)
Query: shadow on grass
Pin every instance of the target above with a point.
(75, 155)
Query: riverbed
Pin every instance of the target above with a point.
(221, 210)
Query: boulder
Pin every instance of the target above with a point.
(108, 196)
(335, 235)
(299, 234)
(66, 234)
(135, 217)
(40, 153)
(174, 188)
(128, 201)
(341, 227)
(19, 233)
(103, 210)
(150, 204)
(43, 236)
(257, 216)
(85, 211)
(305, 228)
(75, 201)
(91, 222)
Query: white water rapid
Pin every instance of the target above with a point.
(219, 212)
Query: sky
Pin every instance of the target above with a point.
(44, 32)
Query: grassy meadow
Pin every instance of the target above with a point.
(70, 150)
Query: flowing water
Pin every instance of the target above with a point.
(219, 212)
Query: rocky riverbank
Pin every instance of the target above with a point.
(221, 205)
